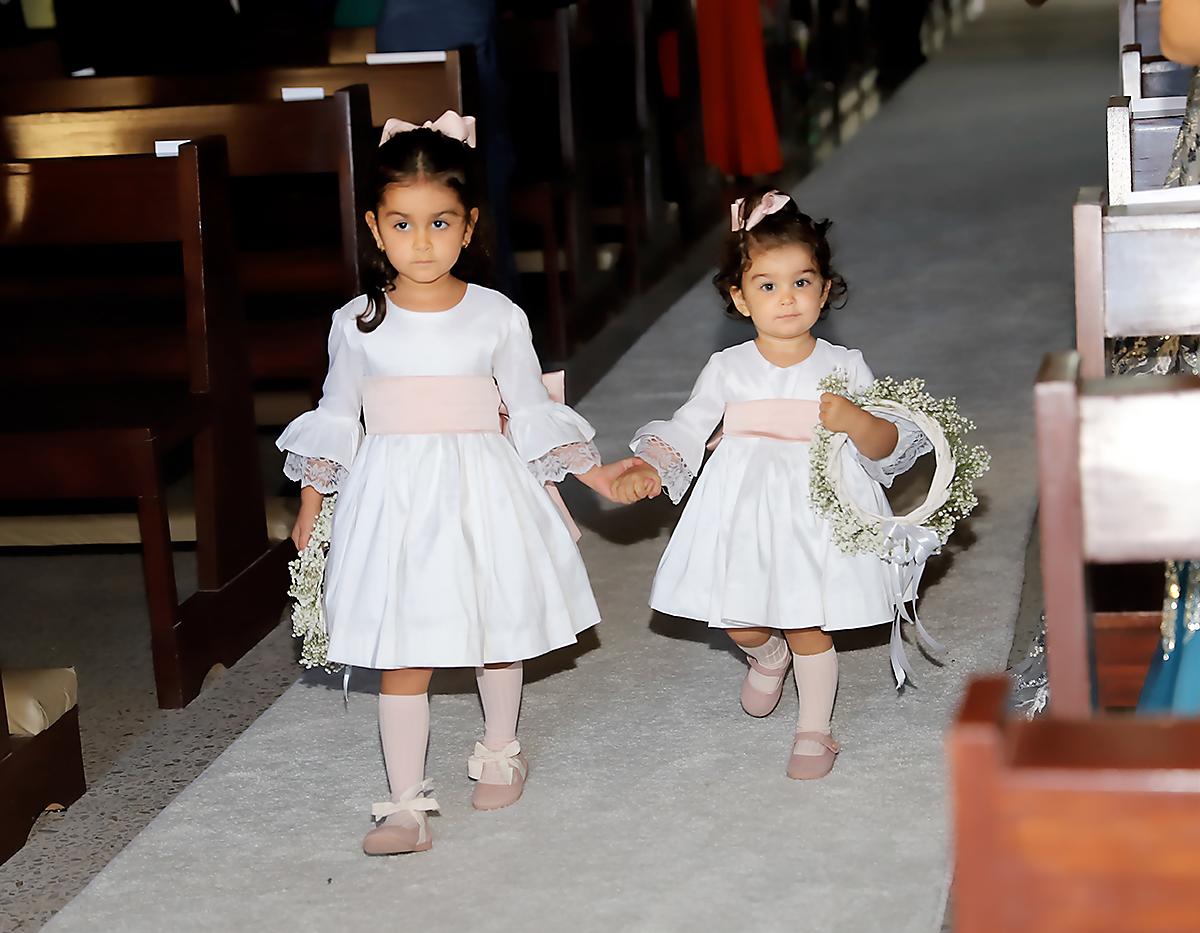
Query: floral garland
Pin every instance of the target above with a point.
(903, 542)
(308, 591)
(952, 495)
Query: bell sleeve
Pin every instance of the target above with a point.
(550, 437)
(675, 448)
(910, 445)
(321, 444)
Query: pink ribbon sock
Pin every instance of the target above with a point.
(816, 682)
(500, 691)
(404, 733)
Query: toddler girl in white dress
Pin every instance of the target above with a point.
(446, 550)
(749, 554)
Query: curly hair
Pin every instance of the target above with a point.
(425, 155)
(787, 226)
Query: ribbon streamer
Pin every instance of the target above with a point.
(908, 548)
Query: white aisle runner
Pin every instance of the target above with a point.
(654, 803)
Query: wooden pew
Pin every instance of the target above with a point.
(1154, 85)
(1118, 483)
(40, 767)
(417, 91)
(1139, 153)
(1073, 826)
(296, 212)
(83, 436)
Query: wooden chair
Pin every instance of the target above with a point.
(1118, 481)
(1137, 272)
(295, 202)
(1073, 826)
(109, 435)
(1154, 85)
(1138, 22)
(41, 766)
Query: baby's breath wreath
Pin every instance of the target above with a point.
(905, 542)
(308, 591)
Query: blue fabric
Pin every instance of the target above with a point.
(1173, 682)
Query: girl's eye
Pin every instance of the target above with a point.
(801, 283)
(440, 225)
(402, 225)
(768, 286)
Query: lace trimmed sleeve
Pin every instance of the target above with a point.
(321, 444)
(666, 461)
(675, 448)
(910, 446)
(554, 465)
(325, 476)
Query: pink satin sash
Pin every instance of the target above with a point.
(449, 405)
(784, 419)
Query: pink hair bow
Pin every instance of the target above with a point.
(771, 202)
(448, 124)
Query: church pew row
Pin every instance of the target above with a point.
(83, 436)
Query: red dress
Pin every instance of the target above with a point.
(740, 136)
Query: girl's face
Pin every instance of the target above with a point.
(422, 227)
(782, 291)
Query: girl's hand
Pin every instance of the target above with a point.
(874, 437)
(838, 414)
(601, 478)
(310, 508)
(638, 482)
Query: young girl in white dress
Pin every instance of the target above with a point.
(749, 554)
(446, 550)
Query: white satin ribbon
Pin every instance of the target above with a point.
(908, 548)
(415, 800)
(506, 759)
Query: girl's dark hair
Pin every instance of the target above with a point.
(789, 225)
(422, 155)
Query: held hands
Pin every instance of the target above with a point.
(640, 481)
(615, 483)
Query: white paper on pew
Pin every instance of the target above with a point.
(404, 58)
(84, 73)
(168, 148)
(304, 93)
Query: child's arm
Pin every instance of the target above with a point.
(674, 449)
(553, 439)
(885, 446)
(321, 444)
(874, 437)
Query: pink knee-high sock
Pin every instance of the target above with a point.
(500, 691)
(816, 682)
(404, 733)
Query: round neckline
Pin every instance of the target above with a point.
(454, 307)
(783, 369)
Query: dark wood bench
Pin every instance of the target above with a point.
(40, 768)
(296, 217)
(1072, 826)
(111, 432)
(1117, 486)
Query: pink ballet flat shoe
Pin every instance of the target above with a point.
(398, 837)
(499, 776)
(812, 767)
(755, 701)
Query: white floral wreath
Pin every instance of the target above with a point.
(906, 541)
(308, 591)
